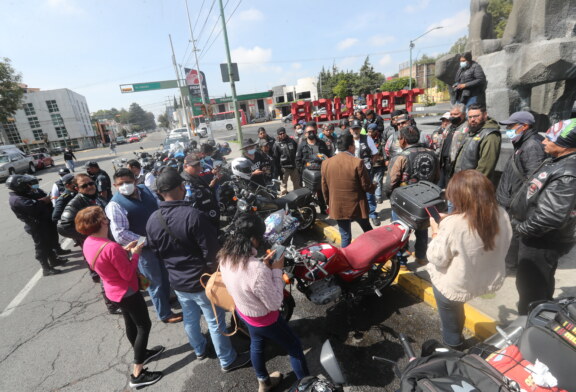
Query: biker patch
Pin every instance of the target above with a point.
(424, 167)
(543, 175)
(535, 186)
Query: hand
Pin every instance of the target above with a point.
(45, 199)
(257, 172)
(461, 86)
(279, 264)
(213, 182)
(434, 226)
(137, 249)
(130, 246)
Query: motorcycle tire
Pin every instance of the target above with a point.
(287, 308)
(307, 216)
(388, 271)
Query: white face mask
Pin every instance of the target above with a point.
(126, 189)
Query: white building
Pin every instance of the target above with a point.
(51, 118)
(305, 89)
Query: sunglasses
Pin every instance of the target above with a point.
(83, 186)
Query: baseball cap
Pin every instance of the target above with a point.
(563, 133)
(280, 130)
(445, 116)
(168, 179)
(519, 118)
(372, 126)
(91, 164)
(311, 124)
(262, 142)
(402, 118)
(192, 159)
(356, 124)
(67, 178)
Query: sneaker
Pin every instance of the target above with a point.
(274, 379)
(145, 378)
(153, 353)
(375, 221)
(58, 261)
(241, 360)
(207, 351)
(50, 271)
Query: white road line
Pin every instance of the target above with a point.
(29, 286)
(22, 294)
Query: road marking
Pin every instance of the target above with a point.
(22, 294)
(29, 286)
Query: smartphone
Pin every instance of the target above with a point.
(433, 213)
(279, 252)
(141, 240)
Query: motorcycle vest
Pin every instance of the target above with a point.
(469, 154)
(422, 164)
(287, 154)
(60, 186)
(200, 196)
(364, 152)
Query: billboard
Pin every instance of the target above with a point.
(193, 83)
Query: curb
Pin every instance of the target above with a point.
(477, 322)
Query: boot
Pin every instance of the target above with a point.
(56, 261)
(47, 269)
(274, 379)
(61, 252)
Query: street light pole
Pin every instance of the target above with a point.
(412, 46)
(232, 85)
(179, 88)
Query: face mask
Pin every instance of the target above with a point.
(311, 136)
(35, 186)
(126, 189)
(251, 151)
(463, 64)
(455, 120)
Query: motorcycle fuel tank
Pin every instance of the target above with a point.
(327, 256)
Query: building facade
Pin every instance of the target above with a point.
(50, 118)
(422, 73)
(305, 89)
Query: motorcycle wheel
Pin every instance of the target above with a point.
(307, 217)
(388, 272)
(287, 308)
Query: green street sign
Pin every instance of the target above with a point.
(137, 87)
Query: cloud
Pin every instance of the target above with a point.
(349, 63)
(381, 40)
(457, 24)
(348, 42)
(419, 6)
(65, 6)
(385, 60)
(296, 65)
(254, 59)
(250, 15)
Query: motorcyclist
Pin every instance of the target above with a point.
(58, 187)
(70, 191)
(32, 206)
(101, 179)
(258, 161)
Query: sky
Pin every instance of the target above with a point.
(93, 46)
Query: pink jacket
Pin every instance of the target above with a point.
(257, 290)
(117, 271)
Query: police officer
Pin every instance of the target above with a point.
(101, 179)
(69, 192)
(545, 211)
(366, 150)
(199, 192)
(32, 206)
(58, 187)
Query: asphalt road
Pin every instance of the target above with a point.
(58, 336)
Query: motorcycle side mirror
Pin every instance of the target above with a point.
(330, 364)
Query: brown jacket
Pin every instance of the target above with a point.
(345, 182)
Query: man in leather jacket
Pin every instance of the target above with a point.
(285, 155)
(69, 193)
(545, 211)
(101, 179)
(200, 193)
(528, 155)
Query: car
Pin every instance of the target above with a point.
(319, 112)
(57, 150)
(42, 160)
(121, 140)
(287, 119)
(261, 119)
(202, 132)
(178, 132)
(142, 134)
(133, 138)
(13, 161)
(169, 141)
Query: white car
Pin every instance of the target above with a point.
(13, 161)
(178, 132)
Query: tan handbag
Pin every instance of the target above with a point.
(218, 295)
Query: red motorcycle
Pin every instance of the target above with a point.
(326, 273)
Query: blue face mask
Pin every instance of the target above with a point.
(510, 133)
(35, 186)
(251, 151)
(463, 64)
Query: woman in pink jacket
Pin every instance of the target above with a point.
(256, 286)
(120, 280)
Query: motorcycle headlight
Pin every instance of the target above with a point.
(242, 205)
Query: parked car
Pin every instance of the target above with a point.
(202, 132)
(133, 138)
(57, 151)
(13, 161)
(42, 160)
(121, 140)
(287, 118)
(178, 132)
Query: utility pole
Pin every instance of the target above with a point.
(232, 85)
(195, 50)
(180, 88)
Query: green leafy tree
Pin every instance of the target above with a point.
(500, 10)
(163, 121)
(459, 46)
(342, 88)
(397, 84)
(140, 118)
(10, 91)
(368, 80)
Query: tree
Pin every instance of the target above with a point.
(500, 10)
(10, 91)
(459, 46)
(139, 118)
(163, 121)
(342, 89)
(368, 80)
(397, 84)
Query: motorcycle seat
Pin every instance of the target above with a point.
(373, 245)
(292, 198)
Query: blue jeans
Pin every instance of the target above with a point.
(159, 289)
(471, 101)
(281, 334)
(421, 244)
(377, 174)
(70, 165)
(372, 205)
(193, 306)
(345, 229)
(451, 319)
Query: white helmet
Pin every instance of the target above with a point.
(241, 167)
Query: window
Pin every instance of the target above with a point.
(12, 133)
(29, 109)
(38, 134)
(290, 97)
(34, 123)
(57, 120)
(52, 106)
(280, 99)
(304, 95)
(61, 132)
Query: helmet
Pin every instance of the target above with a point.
(21, 183)
(211, 142)
(62, 172)
(224, 145)
(314, 384)
(241, 167)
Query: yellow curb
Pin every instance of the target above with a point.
(480, 324)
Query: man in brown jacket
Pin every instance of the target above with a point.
(345, 182)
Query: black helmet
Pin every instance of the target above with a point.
(62, 172)
(21, 183)
(356, 124)
(211, 142)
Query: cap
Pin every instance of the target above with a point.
(372, 126)
(192, 159)
(67, 178)
(263, 142)
(563, 133)
(168, 179)
(248, 143)
(445, 116)
(519, 118)
(91, 164)
(312, 124)
(280, 130)
(402, 118)
(356, 124)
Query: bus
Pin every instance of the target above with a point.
(220, 121)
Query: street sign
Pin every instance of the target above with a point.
(226, 76)
(137, 87)
(193, 83)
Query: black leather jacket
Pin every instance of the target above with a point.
(285, 153)
(61, 203)
(66, 226)
(307, 153)
(545, 207)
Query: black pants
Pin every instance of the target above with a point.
(138, 324)
(512, 255)
(45, 241)
(536, 268)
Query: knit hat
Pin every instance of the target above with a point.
(563, 133)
